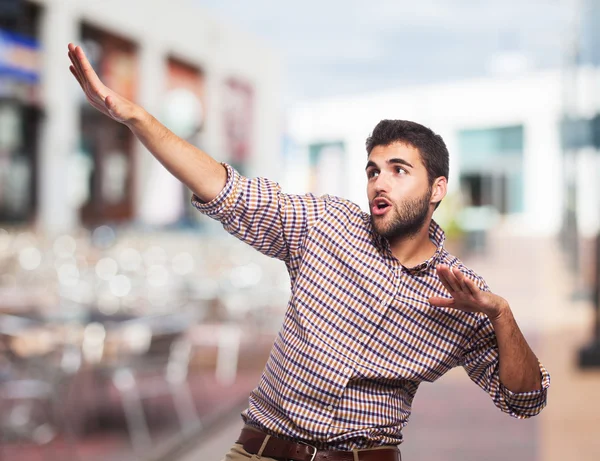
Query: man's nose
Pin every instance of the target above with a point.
(381, 183)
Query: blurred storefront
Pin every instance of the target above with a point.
(183, 110)
(106, 154)
(20, 110)
(238, 121)
(75, 167)
(90, 260)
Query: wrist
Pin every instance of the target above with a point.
(138, 119)
(501, 311)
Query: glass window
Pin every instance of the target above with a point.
(491, 167)
(492, 141)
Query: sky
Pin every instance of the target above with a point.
(336, 47)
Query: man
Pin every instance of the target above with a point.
(377, 307)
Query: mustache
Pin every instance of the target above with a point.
(381, 196)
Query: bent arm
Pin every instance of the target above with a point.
(516, 385)
(497, 357)
(519, 367)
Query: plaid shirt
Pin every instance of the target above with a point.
(359, 334)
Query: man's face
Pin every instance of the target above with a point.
(398, 190)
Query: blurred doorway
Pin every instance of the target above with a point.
(107, 147)
(486, 189)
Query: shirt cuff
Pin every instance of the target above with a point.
(526, 404)
(219, 207)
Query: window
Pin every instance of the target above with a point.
(491, 167)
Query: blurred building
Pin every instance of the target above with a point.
(63, 164)
(503, 134)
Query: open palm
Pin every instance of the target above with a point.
(466, 295)
(99, 95)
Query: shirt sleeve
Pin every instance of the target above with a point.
(258, 213)
(482, 365)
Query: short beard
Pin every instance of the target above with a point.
(408, 220)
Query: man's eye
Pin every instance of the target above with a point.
(400, 170)
(371, 174)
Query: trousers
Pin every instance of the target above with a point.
(237, 453)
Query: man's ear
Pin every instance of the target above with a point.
(439, 189)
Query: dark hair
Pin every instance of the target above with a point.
(431, 146)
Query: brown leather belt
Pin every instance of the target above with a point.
(252, 440)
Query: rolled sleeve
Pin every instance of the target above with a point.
(220, 207)
(526, 404)
(481, 362)
(257, 212)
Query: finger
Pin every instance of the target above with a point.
(85, 81)
(88, 71)
(99, 105)
(471, 287)
(75, 66)
(460, 279)
(75, 60)
(74, 72)
(453, 279)
(438, 301)
(72, 59)
(446, 273)
(445, 283)
(110, 104)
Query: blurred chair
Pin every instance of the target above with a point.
(33, 390)
(159, 368)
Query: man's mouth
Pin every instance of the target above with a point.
(380, 206)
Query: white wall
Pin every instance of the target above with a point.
(160, 29)
(534, 101)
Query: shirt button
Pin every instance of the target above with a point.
(330, 407)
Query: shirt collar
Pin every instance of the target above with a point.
(436, 235)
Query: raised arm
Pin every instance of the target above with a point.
(197, 170)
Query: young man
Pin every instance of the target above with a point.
(377, 306)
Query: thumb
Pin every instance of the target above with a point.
(438, 301)
(114, 111)
(109, 102)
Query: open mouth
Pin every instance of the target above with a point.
(380, 206)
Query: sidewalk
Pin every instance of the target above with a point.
(537, 282)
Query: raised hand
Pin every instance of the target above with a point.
(467, 296)
(98, 95)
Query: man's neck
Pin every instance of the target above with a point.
(413, 250)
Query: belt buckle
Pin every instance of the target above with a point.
(314, 454)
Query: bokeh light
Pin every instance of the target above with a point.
(183, 263)
(65, 246)
(30, 258)
(106, 268)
